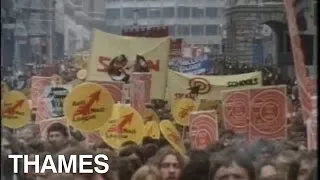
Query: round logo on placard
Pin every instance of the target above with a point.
(15, 110)
(199, 86)
(88, 106)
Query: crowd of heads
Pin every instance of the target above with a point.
(230, 158)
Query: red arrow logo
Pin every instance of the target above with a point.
(12, 110)
(85, 109)
(127, 119)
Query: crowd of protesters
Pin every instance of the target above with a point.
(231, 158)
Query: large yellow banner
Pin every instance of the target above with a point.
(106, 47)
(207, 87)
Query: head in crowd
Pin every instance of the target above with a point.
(266, 168)
(301, 168)
(57, 135)
(47, 173)
(198, 166)
(9, 146)
(231, 165)
(147, 172)
(127, 166)
(170, 163)
(283, 161)
(131, 149)
(79, 150)
(28, 132)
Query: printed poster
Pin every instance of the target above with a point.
(54, 96)
(260, 112)
(138, 96)
(236, 110)
(203, 129)
(38, 85)
(268, 113)
(146, 78)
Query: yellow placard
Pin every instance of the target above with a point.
(126, 124)
(207, 87)
(181, 109)
(170, 132)
(150, 115)
(88, 107)
(15, 110)
(151, 129)
(105, 47)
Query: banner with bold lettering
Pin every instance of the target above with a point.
(105, 47)
(194, 66)
(207, 87)
(203, 128)
(260, 112)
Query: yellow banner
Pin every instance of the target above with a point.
(107, 46)
(207, 87)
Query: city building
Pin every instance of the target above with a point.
(248, 25)
(38, 31)
(197, 22)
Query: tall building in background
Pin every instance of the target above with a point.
(198, 22)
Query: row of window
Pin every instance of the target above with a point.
(182, 30)
(166, 12)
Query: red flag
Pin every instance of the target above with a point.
(305, 91)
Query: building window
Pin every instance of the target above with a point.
(142, 12)
(197, 12)
(128, 13)
(114, 29)
(168, 12)
(212, 12)
(212, 30)
(183, 30)
(154, 13)
(112, 0)
(113, 13)
(183, 12)
(197, 30)
(171, 30)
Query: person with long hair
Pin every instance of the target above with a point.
(147, 172)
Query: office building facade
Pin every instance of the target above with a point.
(197, 22)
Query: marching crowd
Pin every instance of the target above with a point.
(231, 158)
